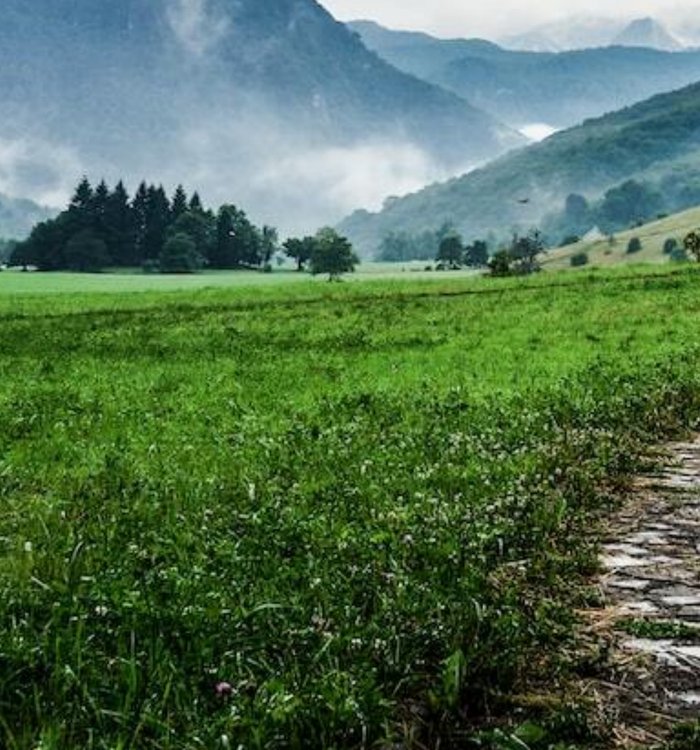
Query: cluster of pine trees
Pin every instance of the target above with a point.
(106, 228)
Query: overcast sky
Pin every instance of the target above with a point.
(490, 17)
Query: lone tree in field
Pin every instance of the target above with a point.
(692, 245)
(332, 254)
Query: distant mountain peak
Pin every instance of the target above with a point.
(647, 32)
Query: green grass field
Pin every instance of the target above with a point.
(363, 511)
(15, 282)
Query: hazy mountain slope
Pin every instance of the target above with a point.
(657, 140)
(525, 87)
(18, 216)
(268, 102)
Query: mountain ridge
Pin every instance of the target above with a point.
(520, 88)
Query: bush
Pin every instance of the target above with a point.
(501, 264)
(579, 260)
(634, 246)
(670, 245)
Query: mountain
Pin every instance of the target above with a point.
(657, 141)
(647, 32)
(573, 33)
(523, 88)
(269, 103)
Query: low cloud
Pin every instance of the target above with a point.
(273, 172)
(44, 171)
(331, 182)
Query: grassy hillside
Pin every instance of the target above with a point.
(561, 89)
(656, 141)
(652, 236)
(315, 516)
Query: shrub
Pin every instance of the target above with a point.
(634, 246)
(670, 245)
(501, 264)
(579, 260)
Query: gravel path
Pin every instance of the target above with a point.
(651, 589)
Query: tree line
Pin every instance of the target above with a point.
(103, 228)
(445, 246)
(106, 228)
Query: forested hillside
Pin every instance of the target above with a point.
(656, 143)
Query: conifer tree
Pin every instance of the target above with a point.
(179, 205)
(99, 199)
(81, 210)
(139, 208)
(196, 203)
(120, 228)
(82, 197)
(157, 222)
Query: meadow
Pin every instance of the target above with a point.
(308, 515)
